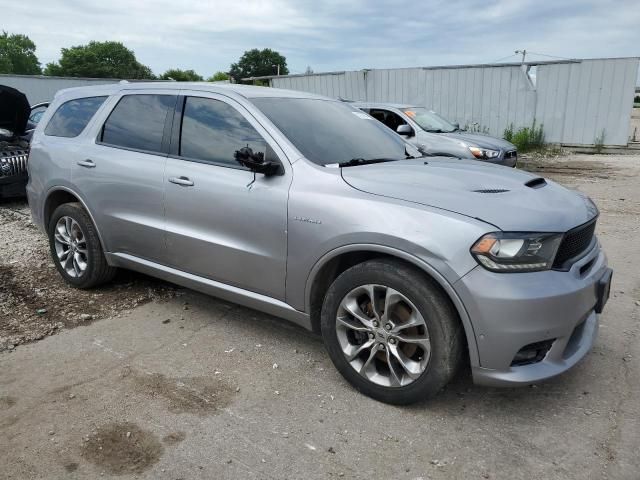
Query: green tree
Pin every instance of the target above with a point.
(181, 75)
(258, 63)
(18, 55)
(218, 77)
(99, 60)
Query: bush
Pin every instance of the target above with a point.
(526, 139)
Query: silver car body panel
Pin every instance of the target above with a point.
(263, 244)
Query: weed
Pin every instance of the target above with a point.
(526, 139)
(598, 143)
(475, 127)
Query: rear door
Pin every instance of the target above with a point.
(223, 222)
(121, 173)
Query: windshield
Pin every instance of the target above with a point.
(429, 120)
(330, 132)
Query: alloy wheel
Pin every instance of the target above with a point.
(71, 246)
(383, 336)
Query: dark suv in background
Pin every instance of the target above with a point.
(17, 122)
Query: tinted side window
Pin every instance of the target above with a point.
(137, 122)
(214, 131)
(72, 116)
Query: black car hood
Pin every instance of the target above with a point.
(14, 110)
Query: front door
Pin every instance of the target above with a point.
(222, 221)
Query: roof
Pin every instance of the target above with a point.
(246, 91)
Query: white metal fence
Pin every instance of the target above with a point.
(576, 100)
(40, 89)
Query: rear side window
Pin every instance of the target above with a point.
(72, 116)
(137, 122)
(213, 131)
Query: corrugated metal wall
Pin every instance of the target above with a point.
(40, 89)
(575, 100)
(578, 101)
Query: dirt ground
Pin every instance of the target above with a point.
(158, 382)
(35, 302)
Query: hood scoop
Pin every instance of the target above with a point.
(537, 182)
(491, 190)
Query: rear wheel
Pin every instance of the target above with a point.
(76, 249)
(391, 332)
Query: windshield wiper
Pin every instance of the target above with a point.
(436, 130)
(365, 161)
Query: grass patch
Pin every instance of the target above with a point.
(526, 139)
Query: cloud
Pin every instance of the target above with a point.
(332, 35)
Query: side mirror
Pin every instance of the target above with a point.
(405, 130)
(256, 161)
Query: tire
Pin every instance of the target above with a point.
(442, 333)
(96, 271)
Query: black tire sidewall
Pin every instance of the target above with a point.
(94, 249)
(441, 320)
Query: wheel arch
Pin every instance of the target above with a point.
(332, 264)
(60, 195)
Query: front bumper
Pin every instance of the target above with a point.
(511, 311)
(13, 186)
(507, 159)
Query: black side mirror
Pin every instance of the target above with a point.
(256, 162)
(405, 130)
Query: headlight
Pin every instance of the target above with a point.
(484, 153)
(516, 252)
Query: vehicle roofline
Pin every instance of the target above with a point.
(245, 91)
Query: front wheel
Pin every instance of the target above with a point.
(76, 249)
(391, 332)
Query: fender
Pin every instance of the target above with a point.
(418, 262)
(80, 199)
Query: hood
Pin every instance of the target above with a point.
(437, 143)
(14, 110)
(483, 141)
(509, 199)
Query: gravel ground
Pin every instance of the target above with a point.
(35, 302)
(186, 386)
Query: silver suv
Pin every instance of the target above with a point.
(308, 209)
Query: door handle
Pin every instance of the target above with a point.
(184, 181)
(88, 163)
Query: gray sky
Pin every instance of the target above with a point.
(331, 35)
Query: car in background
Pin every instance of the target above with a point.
(435, 135)
(14, 141)
(37, 111)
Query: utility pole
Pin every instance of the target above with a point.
(522, 52)
(278, 67)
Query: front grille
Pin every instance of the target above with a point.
(511, 154)
(574, 243)
(13, 162)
